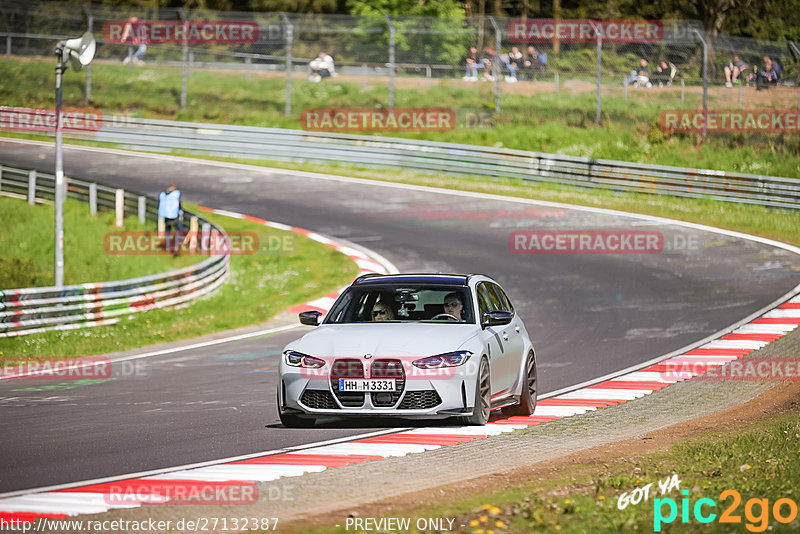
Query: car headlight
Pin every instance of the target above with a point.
(298, 359)
(450, 359)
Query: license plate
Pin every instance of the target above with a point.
(366, 386)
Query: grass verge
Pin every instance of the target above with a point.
(260, 285)
(533, 118)
(27, 246)
(760, 462)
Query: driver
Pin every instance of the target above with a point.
(453, 305)
(382, 312)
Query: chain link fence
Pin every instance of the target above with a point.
(399, 53)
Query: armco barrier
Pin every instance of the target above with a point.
(449, 158)
(37, 309)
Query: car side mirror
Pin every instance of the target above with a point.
(496, 318)
(310, 318)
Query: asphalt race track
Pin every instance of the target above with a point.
(589, 314)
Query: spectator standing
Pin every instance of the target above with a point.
(321, 67)
(132, 33)
(734, 70)
(471, 61)
(170, 209)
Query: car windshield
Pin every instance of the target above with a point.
(418, 303)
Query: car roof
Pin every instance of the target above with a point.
(413, 278)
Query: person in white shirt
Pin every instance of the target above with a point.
(321, 67)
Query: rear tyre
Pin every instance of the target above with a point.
(483, 397)
(527, 400)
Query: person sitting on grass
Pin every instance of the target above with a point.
(321, 67)
(734, 70)
(471, 61)
(767, 76)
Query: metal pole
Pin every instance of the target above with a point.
(598, 104)
(364, 75)
(741, 91)
(90, 24)
(93, 199)
(247, 69)
(705, 81)
(391, 61)
(191, 63)
(497, 42)
(59, 185)
(625, 88)
(8, 46)
(556, 82)
(185, 59)
(683, 91)
(428, 75)
(32, 187)
(289, 39)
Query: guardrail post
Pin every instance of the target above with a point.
(120, 208)
(142, 209)
(289, 40)
(247, 62)
(205, 234)
(32, 187)
(93, 199)
(1, 177)
(193, 224)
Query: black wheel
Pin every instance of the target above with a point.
(296, 421)
(483, 397)
(527, 400)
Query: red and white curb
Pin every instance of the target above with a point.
(161, 488)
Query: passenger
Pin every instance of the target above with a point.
(382, 312)
(453, 305)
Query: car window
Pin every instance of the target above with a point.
(502, 298)
(484, 301)
(379, 303)
(494, 299)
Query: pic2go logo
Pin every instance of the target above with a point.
(756, 511)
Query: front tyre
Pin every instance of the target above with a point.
(527, 400)
(294, 421)
(483, 397)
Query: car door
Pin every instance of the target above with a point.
(514, 351)
(496, 339)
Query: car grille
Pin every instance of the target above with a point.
(420, 400)
(318, 399)
(388, 369)
(347, 368)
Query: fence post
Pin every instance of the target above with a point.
(205, 235)
(391, 61)
(120, 208)
(556, 82)
(142, 209)
(428, 75)
(185, 59)
(289, 39)
(741, 92)
(364, 75)
(496, 65)
(90, 28)
(1, 178)
(247, 62)
(797, 57)
(625, 88)
(8, 46)
(93, 199)
(598, 103)
(191, 63)
(162, 228)
(705, 81)
(32, 187)
(683, 91)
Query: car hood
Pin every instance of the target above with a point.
(384, 340)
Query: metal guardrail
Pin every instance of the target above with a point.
(449, 158)
(38, 309)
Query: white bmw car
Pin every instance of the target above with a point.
(411, 346)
